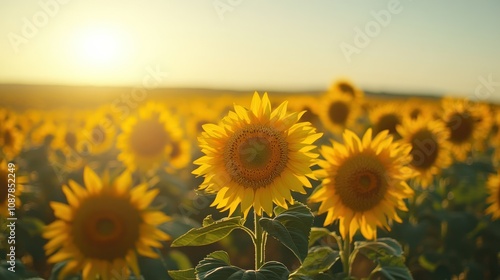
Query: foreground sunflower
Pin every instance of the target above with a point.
(430, 150)
(363, 182)
(104, 227)
(146, 140)
(256, 156)
(469, 125)
(493, 186)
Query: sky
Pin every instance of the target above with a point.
(444, 47)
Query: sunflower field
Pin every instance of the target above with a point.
(340, 184)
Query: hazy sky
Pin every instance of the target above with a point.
(437, 46)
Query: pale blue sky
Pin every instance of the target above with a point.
(426, 46)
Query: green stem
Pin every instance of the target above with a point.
(259, 244)
(346, 253)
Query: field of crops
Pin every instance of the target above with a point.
(220, 185)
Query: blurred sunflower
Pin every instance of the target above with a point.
(28, 120)
(4, 194)
(256, 156)
(430, 150)
(67, 135)
(363, 182)
(11, 139)
(468, 124)
(146, 139)
(98, 134)
(199, 113)
(308, 104)
(496, 138)
(347, 88)
(386, 117)
(180, 155)
(493, 199)
(104, 227)
(337, 112)
(43, 132)
(415, 108)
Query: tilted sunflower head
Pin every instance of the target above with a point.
(363, 182)
(255, 157)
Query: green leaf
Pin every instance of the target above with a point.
(186, 274)
(318, 233)
(291, 227)
(321, 276)
(209, 233)
(208, 221)
(216, 266)
(393, 273)
(387, 254)
(382, 245)
(319, 259)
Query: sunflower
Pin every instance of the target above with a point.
(363, 182)
(146, 139)
(468, 123)
(308, 104)
(493, 199)
(4, 194)
(199, 113)
(430, 149)
(337, 112)
(104, 227)
(98, 134)
(256, 156)
(43, 133)
(67, 135)
(495, 139)
(11, 139)
(386, 117)
(344, 86)
(415, 108)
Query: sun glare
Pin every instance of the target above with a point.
(101, 47)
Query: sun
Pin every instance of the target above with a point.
(101, 46)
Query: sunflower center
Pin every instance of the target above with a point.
(3, 189)
(415, 113)
(70, 139)
(8, 138)
(176, 150)
(148, 138)
(256, 155)
(461, 126)
(387, 122)
(424, 150)
(346, 88)
(98, 135)
(338, 112)
(106, 227)
(360, 182)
